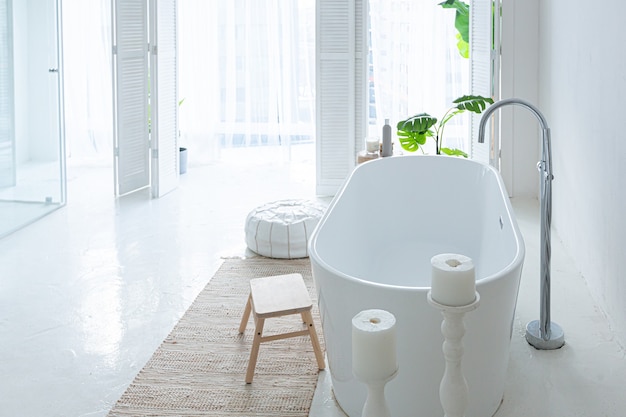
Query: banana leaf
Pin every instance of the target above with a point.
(461, 23)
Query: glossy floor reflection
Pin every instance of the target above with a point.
(88, 293)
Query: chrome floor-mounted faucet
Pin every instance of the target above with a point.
(542, 333)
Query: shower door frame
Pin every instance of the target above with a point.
(7, 111)
(53, 121)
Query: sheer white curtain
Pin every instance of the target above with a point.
(246, 74)
(415, 66)
(88, 89)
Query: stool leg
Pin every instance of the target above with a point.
(308, 319)
(246, 315)
(254, 353)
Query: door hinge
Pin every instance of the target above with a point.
(116, 151)
(114, 49)
(155, 153)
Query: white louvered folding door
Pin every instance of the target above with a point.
(341, 58)
(130, 95)
(484, 76)
(145, 106)
(163, 78)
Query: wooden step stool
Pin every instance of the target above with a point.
(278, 296)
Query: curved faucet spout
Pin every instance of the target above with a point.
(542, 334)
(545, 164)
(505, 102)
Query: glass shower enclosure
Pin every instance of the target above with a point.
(32, 154)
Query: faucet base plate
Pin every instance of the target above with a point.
(535, 339)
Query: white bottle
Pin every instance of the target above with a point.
(387, 149)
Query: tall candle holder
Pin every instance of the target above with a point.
(453, 390)
(374, 358)
(376, 403)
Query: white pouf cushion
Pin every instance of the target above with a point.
(281, 229)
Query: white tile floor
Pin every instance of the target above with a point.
(89, 292)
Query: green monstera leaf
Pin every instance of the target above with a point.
(412, 132)
(454, 152)
(475, 104)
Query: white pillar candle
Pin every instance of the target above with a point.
(374, 356)
(372, 145)
(453, 279)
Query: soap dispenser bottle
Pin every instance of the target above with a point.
(387, 149)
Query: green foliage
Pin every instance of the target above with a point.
(454, 152)
(414, 131)
(475, 104)
(462, 46)
(461, 23)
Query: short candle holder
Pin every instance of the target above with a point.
(453, 391)
(376, 404)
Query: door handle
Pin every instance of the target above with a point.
(53, 70)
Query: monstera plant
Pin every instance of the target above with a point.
(414, 131)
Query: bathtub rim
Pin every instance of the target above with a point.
(518, 258)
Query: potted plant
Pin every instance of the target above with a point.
(414, 131)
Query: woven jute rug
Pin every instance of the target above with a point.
(199, 369)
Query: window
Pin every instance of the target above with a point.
(412, 66)
(415, 65)
(247, 74)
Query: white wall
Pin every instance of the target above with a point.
(520, 133)
(582, 87)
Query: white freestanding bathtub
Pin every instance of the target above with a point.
(372, 249)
